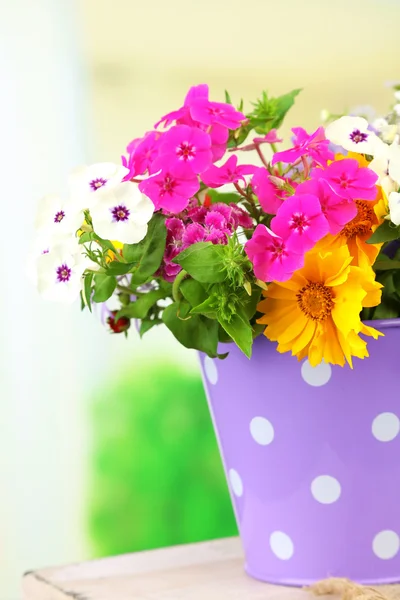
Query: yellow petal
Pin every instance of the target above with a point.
(348, 302)
(294, 329)
(302, 342)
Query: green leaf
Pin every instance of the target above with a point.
(87, 290)
(104, 287)
(195, 331)
(147, 254)
(105, 244)
(86, 237)
(269, 113)
(193, 291)
(119, 268)
(226, 198)
(283, 105)
(227, 97)
(240, 331)
(389, 308)
(258, 329)
(203, 261)
(141, 306)
(207, 308)
(386, 265)
(148, 324)
(384, 233)
(250, 306)
(238, 136)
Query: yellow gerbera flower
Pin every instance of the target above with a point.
(316, 313)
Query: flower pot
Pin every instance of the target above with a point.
(312, 459)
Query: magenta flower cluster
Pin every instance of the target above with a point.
(207, 223)
(177, 160)
(322, 204)
(312, 196)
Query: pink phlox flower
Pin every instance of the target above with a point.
(171, 187)
(314, 145)
(128, 162)
(270, 138)
(348, 180)
(219, 137)
(300, 222)
(338, 211)
(229, 172)
(196, 91)
(131, 147)
(210, 113)
(188, 146)
(142, 154)
(271, 257)
(269, 195)
(194, 233)
(182, 115)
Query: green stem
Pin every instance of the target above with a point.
(176, 295)
(126, 290)
(279, 165)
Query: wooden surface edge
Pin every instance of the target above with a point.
(137, 563)
(37, 587)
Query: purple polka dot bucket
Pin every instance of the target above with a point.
(312, 459)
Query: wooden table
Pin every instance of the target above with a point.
(205, 571)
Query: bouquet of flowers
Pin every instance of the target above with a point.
(222, 239)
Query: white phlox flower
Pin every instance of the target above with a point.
(394, 207)
(122, 213)
(352, 133)
(59, 272)
(86, 181)
(55, 217)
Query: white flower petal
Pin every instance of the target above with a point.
(122, 213)
(87, 181)
(60, 272)
(380, 124)
(126, 233)
(394, 207)
(394, 162)
(57, 217)
(352, 133)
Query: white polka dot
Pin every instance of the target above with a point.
(281, 545)
(326, 489)
(236, 482)
(261, 430)
(385, 427)
(386, 544)
(316, 376)
(210, 369)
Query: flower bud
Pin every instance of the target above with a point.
(118, 325)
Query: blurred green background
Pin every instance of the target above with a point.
(156, 477)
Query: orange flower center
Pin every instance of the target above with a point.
(362, 222)
(315, 300)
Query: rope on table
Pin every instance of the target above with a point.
(348, 590)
